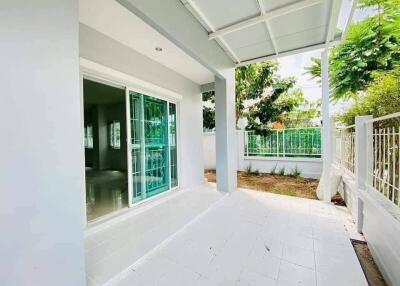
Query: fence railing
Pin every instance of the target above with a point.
(383, 156)
(345, 148)
(289, 142)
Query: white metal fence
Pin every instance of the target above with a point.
(380, 137)
(383, 158)
(289, 142)
(345, 148)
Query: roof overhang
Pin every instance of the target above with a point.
(256, 30)
(224, 34)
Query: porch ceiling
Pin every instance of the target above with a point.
(253, 30)
(113, 20)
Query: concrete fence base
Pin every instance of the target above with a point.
(309, 167)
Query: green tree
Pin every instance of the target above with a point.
(382, 97)
(208, 118)
(371, 45)
(304, 114)
(315, 69)
(262, 87)
(259, 84)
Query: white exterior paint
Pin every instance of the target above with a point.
(118, 23)
(42, 158)
(380, 228)
(98, 48)
(327, 150)
(43, 213)
(175, 22)
(225, 136)
(310, 167)
(376, 218)
(114, 61)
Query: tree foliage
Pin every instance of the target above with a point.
(208, 118)
(382, 97)
(304, 114)
(371, 45)
(258, 95)
(315, 69)
(260, 84)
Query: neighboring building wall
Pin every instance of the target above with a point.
(103, 50)
(41, 166)
(310, 167)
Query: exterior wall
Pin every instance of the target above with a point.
(380, 226)
(103, 50)
(41, 165)
(190, 139)
(310, 167)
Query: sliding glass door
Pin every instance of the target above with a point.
(153, 146)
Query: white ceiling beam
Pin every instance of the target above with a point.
(268, 26)
(288, 53)
(265, 17)
(349, 19)
(333, 20)
(203, 19)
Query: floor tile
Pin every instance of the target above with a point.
(247, 238)
(299, 256)
(292, 274)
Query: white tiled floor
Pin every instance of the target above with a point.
(253, 238)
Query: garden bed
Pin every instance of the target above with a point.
(277, 184)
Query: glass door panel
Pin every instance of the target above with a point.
(137, 146)
(156, 145)
(149, 146)
(172, 145)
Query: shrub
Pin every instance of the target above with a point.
(282, 171)
(248, 170)
(273, 170)
(296, 172)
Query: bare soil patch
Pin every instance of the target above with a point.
(371, 271)
(283, 185)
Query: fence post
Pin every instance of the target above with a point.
(283, 142)
(333, 138)
(342, 148)
(361, 165)
(246, 141)
(277, 143)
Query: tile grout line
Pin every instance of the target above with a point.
(315, 260)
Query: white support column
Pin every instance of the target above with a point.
(327, 154)
(363, 148)
(42, 166)
(225, 134)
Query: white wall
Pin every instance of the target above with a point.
(310, 167)
(190, 136)
(209, 150)
(41, 151)
(103, 50)
(381, 226)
